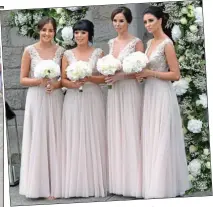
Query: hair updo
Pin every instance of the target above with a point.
(125, 11)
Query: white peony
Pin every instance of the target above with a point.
(192, 149)
(181, 86)
(108, 65)
(195, 126)
(208, 165)
(199, 15)
(184, 10)
(206, 152)
(193, 28)
(202, 101)
(183, 20)
(176, 33)
(194, 167)
(67, 35)
(135, 62)
(47, 69)
(78, 70)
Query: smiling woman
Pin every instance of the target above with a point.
(43, 111)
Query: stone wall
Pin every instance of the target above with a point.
(13, 47)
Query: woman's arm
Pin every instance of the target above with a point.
(173, 74)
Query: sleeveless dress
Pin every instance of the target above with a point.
(165, 172)
(40, 164)
(123, 131)
(85, 150)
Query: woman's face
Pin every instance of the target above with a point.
(47, 33)
(120, 23)
(81, 37)
(151, 23)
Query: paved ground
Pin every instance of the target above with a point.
(17, 199)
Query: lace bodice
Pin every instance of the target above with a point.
(157, 59)
(128, 49)
(35, 57)
(92, 59)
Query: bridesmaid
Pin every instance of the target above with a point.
(40, 175)
(123, 113)
(164, 162)
(84, 151)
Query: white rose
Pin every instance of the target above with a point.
(184, 10)
(195, 167)
(181, 59)
(59, 10)
(183, 20)
(206, 151)
(192, 149)
(208, 165)
(67, 35)
(202, 101)
(176, 33)
(181, 86)
(195, 126)
(193, 28)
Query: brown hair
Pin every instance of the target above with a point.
(125, 11)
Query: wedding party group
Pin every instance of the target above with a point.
(78, 144)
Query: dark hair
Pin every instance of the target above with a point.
(85, 25)
(159, 14)
(46, 20)
(125, 11)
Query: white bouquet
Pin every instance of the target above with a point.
(108, 65)
(135, 62)
(47, 69)
(78, 70)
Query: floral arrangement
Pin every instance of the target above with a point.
(135, 62)
(27, 20)
(78, 71)
(47, 69)
(186, 24)
(108, 65)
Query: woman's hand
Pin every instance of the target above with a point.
(113, 78)
(143, 74)
(44, 82)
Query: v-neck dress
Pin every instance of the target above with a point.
(40, 160)
(84, 138)
(165, 172)
(123, 131)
